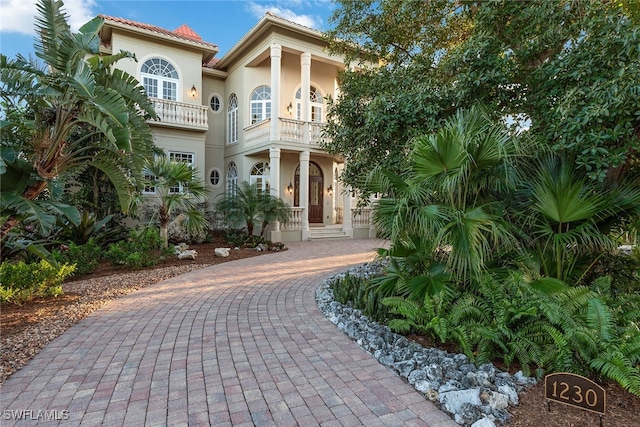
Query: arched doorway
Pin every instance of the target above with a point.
(316, 184)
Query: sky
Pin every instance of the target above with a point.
(222, 22)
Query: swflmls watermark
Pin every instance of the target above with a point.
(33, 415)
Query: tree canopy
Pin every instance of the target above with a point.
(567, 71)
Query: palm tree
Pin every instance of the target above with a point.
(570, 219)
(246, 205)
(273, 209)
(449, 202)
(166, 177)
(72, 111)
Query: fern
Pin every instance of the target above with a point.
(613, 364)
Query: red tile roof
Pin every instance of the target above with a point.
(183, 32)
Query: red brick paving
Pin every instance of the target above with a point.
(241, 343)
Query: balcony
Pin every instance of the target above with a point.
(180, 115)
(289, 131)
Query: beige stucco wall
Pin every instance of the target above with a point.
(215, 136)
(187, 62)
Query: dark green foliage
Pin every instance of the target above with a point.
(86, 257)
(246, 205)
(359, 293)
(568, 69)
(102, 232)
(20, 282)
(142, 248)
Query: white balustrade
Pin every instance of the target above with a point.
(257, 132)
(295, 219)
(361, 217)
(179, 113)
(290, 131)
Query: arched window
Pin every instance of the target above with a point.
(260, 176)
(232, 177)
(232, 119)
(260, 104)
(316, 104)
(160, 79)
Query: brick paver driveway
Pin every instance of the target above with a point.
(241, 343)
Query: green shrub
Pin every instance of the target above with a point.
(544, 324)
(85, 257)
(236, 238)
(360, 294)
(20, 282)
(142, 248)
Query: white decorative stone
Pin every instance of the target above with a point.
(180, 247)
(484, 422)
(188, 254)
(221, 252)
(453, 400)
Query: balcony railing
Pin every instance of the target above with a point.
(289, 131)
(295, 219)
(179, 114)
(360, 218)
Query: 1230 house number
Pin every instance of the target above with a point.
(575, 390)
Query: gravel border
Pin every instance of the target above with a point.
(17, 350)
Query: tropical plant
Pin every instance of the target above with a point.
(85, 257)
(74, 110)
(176, 187)
(570, 220)
(449, 203)
(142, 248)
(246, 204)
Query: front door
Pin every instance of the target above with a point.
(315, 199)
(316, 185)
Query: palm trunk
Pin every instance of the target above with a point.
(164, 235)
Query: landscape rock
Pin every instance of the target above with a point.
(188, 254)
(221, 252)
(473, 395)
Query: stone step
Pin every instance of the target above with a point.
(328, 232)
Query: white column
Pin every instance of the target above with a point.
(274, 186)
(276, 60)
(305, 88)
(347, 222)
(304, 193)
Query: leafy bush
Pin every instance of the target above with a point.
(236, 238)
(20, 282)
(142, 248)
(358, 292)
(542, 324)
(102, 231)
(85, 257)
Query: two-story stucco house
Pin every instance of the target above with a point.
(253, 115)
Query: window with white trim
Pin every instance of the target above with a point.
(232, 178)
(232, 119)
(149, 188)
(260, 104)
(160, 79)
(316, 104)
(260, 173)
(188, 158)
(215, 103)
(214, 177)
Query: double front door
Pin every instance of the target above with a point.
(316, 185)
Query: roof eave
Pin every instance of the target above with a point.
(262, 26)
(208, 50)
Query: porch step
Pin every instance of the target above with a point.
(327, 232)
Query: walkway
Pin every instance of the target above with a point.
(241, 343)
